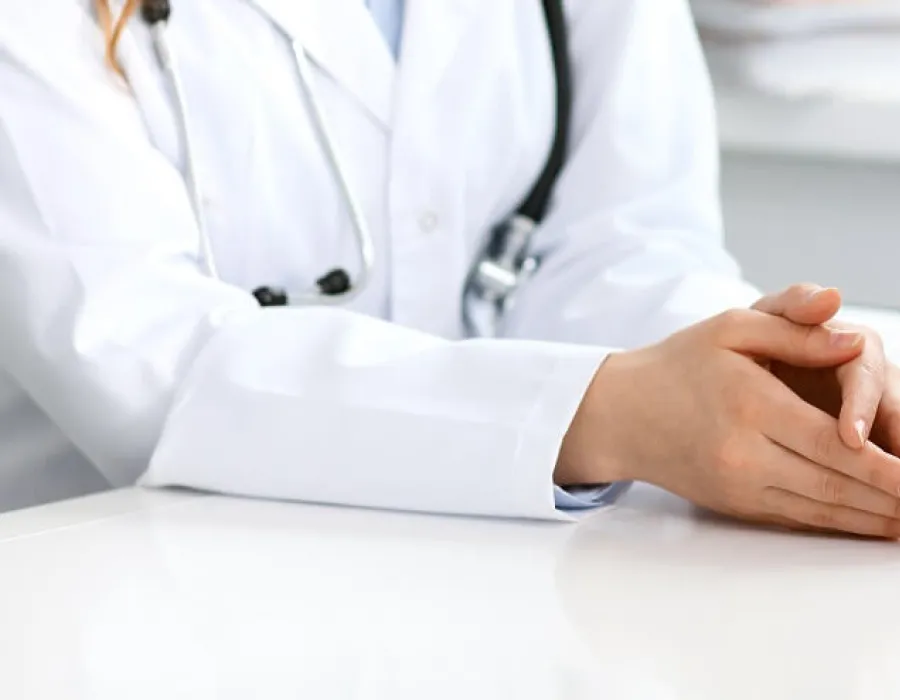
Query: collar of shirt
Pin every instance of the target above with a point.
(388, 15)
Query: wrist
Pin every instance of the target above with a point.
(590, 451)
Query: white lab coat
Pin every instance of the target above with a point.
(124, 362)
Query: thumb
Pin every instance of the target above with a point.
(806, 304)
(768, 337)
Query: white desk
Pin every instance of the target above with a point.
(154, 595)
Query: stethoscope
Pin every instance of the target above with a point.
(505, 260)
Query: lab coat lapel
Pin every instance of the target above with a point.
(432, 31)
(342, 39)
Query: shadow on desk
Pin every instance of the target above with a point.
(706, 608)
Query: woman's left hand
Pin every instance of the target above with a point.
(864, 394)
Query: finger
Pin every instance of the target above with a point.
(822, 516)
(886, 428)
(802, 428)
(891, 440)
(762, 335)
(807, 304)
(796, 474)
(862, 383)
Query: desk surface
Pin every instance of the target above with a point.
(161, 595)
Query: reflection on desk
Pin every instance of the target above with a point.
(173, 595)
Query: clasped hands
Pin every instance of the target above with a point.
(778, 414)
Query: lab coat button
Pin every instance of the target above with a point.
(428, 222)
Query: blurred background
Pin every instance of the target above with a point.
(809, 109)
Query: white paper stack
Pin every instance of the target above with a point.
(844, 49)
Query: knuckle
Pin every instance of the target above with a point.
(804, 337)
(876, 477)
(747, 405)
(823, 518)
(886, 528)
(824, 441)
(801, 290)
(731, 321)
(831, 489)
(873, 340)
(730, 453)
(767, 504)
(873, 365)
(882, 477)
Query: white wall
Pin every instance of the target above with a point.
(794, 219)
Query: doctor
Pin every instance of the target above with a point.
(154, 173)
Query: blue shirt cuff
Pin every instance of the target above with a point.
(587, 497)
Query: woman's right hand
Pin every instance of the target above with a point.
(700, 415)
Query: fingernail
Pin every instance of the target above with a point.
(845, 340)
(861, 431)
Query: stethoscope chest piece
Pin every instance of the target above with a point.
(502, 267)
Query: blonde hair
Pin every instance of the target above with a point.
(112, 30)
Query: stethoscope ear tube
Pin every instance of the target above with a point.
(159, 11)
(335, 286)
(504, 261)
(507, 259)
(537, 201)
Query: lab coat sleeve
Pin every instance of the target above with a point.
(632, 248)
(109, 324)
